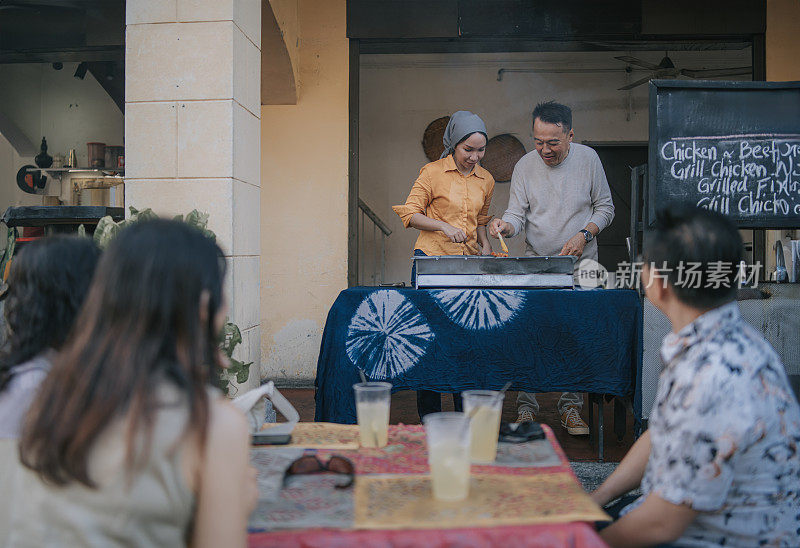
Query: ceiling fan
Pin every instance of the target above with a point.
(667, 69)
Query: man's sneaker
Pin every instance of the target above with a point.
(525, 415)
(572, 421)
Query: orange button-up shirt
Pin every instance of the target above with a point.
(441, 192)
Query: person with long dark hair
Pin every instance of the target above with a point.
(449, 205)
(47, 285)
(128, 442)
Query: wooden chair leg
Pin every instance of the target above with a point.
(600, 421)
(620, 418)
(596, 434)
(592, 431)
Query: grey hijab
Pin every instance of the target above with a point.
(461, 124)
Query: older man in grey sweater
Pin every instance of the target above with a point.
(561, 199)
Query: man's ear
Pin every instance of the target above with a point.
(653, 286)
(668, 293)
(663, 291)
(570, 135)
(660, 288)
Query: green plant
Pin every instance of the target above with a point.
(8, 253)
(231, 338)
(107, 229)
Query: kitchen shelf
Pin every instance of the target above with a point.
(58, 172)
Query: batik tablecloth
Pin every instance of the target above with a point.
(322, 435)
(310, 511)
(453, 340)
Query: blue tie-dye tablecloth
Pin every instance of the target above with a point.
(446, 340)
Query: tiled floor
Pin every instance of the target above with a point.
(577, 448)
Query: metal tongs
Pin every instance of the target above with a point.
(503, 245)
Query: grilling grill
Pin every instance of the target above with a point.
(494, 272)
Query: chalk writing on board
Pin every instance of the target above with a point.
(741, 175)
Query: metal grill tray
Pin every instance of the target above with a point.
(473, 264)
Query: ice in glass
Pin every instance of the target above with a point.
(484, 407)
(448, 454)
(372, 409)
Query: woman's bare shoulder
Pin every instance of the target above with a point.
(227, 437)
(226, 421)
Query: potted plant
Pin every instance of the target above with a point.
(107, 229)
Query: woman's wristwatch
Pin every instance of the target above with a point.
(588, 236)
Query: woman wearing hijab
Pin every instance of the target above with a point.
(449, 205)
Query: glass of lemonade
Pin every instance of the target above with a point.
(372, 410)
(448, 454)
(484, 407)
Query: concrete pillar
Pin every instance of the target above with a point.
(192, 131)
(305, 154)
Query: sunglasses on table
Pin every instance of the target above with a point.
(310, 464)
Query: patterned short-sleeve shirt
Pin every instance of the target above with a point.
(725, 435)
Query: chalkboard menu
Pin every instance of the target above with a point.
(732, 147)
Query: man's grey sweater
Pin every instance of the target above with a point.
(553, 204)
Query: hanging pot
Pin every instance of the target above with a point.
(43, 159)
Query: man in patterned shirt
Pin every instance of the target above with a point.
(720, 462)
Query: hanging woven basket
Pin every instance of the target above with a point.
(502, 154)
(432, 138)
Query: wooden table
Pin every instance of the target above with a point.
(329, 518)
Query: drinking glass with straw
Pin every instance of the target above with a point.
(483, 409)
(372, 409)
